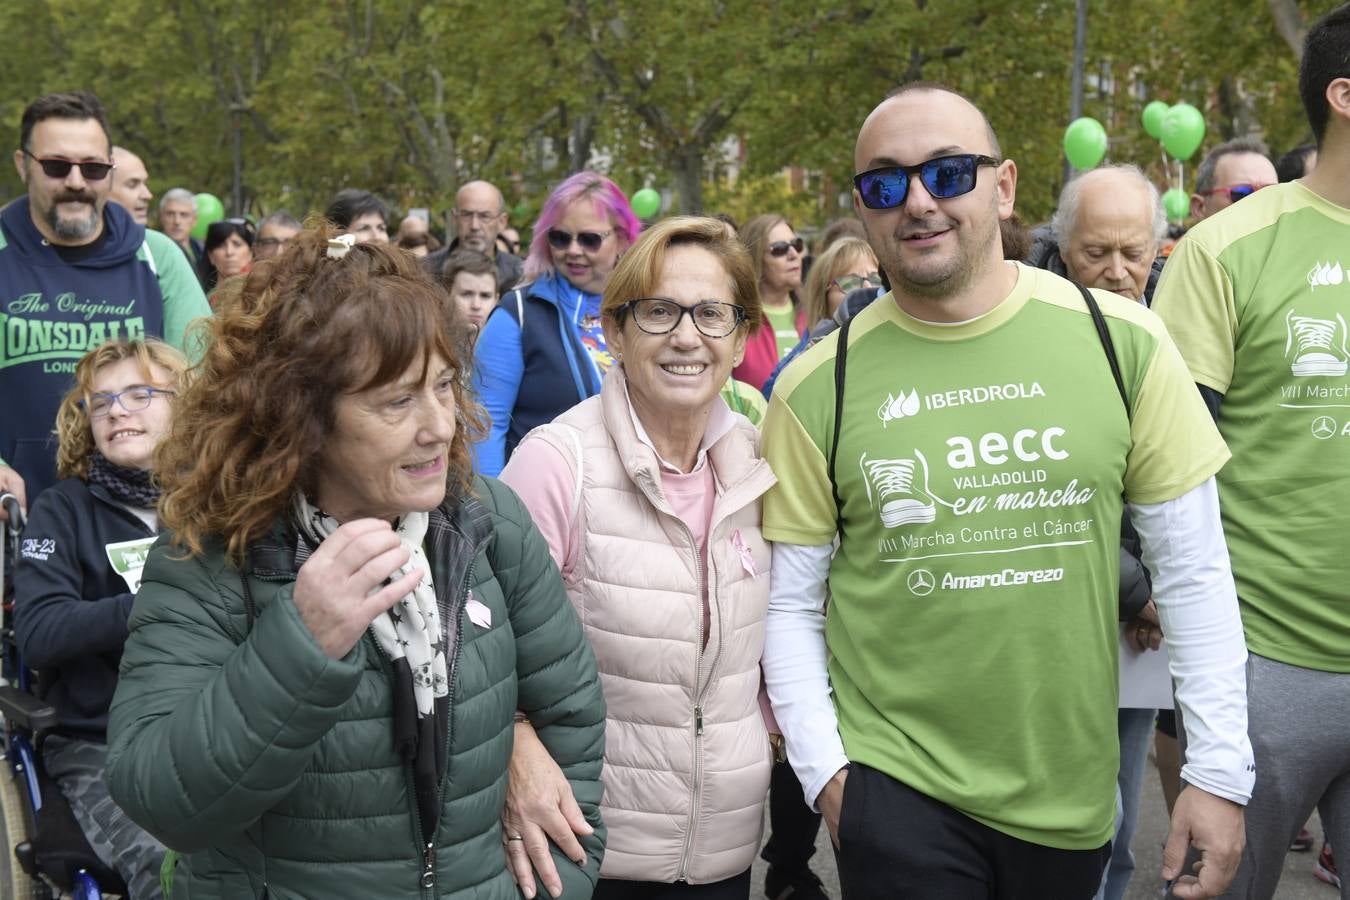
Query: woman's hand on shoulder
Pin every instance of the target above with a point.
(338, 591)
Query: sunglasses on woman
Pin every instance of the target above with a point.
(60, 168)
(1235, 192)
(780, 248)
(944, 178)
(590, 241)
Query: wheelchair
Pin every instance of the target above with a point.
(43, 853)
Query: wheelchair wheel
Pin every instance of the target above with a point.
(14, 882)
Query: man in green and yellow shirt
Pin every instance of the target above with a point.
(1257, 298)
(982, 452)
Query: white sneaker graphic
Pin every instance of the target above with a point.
(890, 485)
(1320, 344)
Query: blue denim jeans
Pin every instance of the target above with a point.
(1134, 728)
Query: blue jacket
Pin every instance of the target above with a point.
(134, 283)
(530, 364)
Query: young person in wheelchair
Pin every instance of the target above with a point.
(78, 571)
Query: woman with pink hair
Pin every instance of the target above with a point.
(542, 349)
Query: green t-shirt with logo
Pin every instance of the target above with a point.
(784, 325)
(972, 621)
(1257, 299)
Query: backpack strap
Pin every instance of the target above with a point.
(1104, 336)
(840, 360)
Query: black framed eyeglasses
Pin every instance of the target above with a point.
(780, 248)
(1235, 192)
(656, 315)
(590, 241)
(133, 399)
(54, 167)
(944, 178)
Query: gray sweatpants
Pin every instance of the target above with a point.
(77, 766)
(1299, 723)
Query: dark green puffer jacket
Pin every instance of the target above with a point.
(273, 767)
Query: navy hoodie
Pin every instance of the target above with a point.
(52, 312)
(71, 606)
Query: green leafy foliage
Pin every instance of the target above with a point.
(410, 98)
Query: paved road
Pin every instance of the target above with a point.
(1298, 882)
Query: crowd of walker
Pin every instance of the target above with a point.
(360, 566)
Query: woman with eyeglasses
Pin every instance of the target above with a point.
(848, 264)
(776, 252)
(649, 498)
(84, 546)
(542, 350)
(229, 252)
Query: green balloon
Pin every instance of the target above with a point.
(1154, 114)
(1183, 131)
(646, 203)
(1085, 142)
(209, 210)
(1177, 203)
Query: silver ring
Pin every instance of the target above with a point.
(516, 837)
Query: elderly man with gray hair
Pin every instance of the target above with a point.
(1106, 232)
(177, 216)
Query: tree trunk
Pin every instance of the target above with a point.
(583, 137)
(689, 179)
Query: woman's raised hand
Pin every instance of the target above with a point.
(337, 591)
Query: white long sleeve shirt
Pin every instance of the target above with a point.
(1197, 603)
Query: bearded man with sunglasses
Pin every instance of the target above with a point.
(967, 438)
(75, 271)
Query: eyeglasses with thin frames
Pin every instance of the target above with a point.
(55, 167)
(132, 399)
(657, 315)
(945, 177)
(849, 283)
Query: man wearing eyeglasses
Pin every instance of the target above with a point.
(967, 439)
(1258, 299)
(75, 271)
(480, 216)
(1231, 171)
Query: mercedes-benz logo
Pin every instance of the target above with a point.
(1323, 427)
(921, 582)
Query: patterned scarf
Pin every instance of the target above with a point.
(134, 487)
(411, 630)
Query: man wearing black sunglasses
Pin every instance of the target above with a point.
(75, 271)
(966, 439)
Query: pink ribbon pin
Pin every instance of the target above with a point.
(747, 558)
